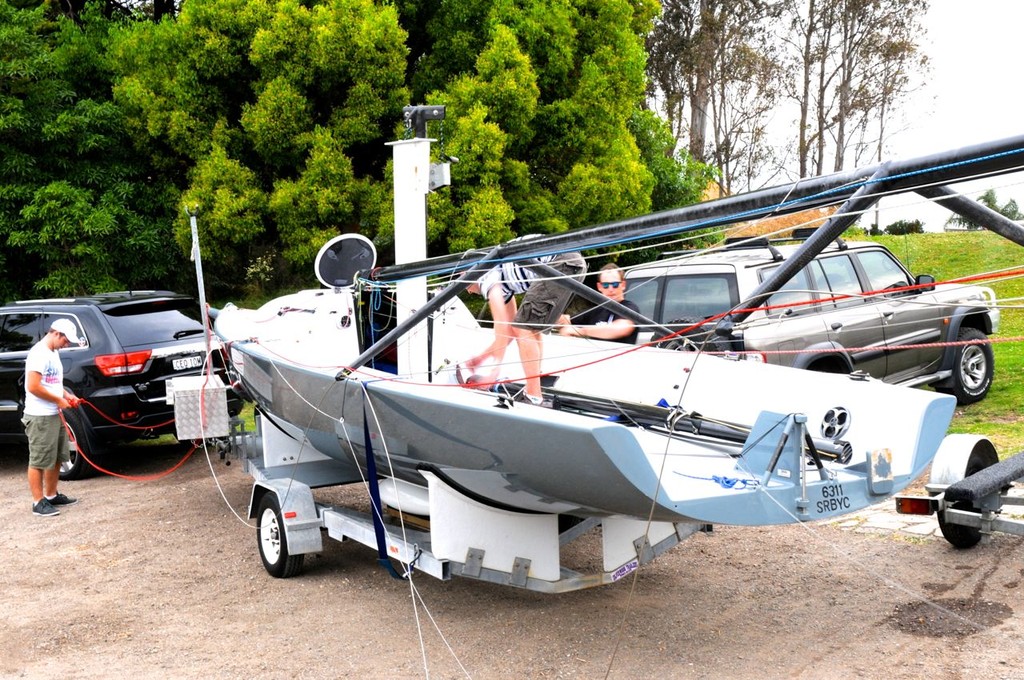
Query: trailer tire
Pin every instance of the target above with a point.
(271, 540)
(982, 455)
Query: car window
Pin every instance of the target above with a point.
(19, 331)
(644, 294)
(137, 325)
(48, 320)
(840, 276)
(697, 296)
(797, 290)
(882, 270)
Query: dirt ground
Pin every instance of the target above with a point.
(160, 579)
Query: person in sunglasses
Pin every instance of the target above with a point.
(600, 322)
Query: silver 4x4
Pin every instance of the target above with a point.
(854, 307)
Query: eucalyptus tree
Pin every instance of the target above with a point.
(715, 73)
(852, 61)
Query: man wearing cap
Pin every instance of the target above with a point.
(45, 396)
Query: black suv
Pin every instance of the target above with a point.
(133, 343)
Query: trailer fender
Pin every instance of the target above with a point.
(961, 455)
(300, 519)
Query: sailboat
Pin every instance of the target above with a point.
(361, 381)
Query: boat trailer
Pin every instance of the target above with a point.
(441, 532)
(967, 490)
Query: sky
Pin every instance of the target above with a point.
(974, 95)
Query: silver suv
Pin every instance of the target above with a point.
(854, 307)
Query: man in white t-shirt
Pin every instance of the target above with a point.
(45, 396)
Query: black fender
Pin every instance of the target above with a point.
(821, 350)
(974, 318)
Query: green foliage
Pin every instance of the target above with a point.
(76, 202)
(901, 227)
(988, 199)
(231, 208)
(272, 119)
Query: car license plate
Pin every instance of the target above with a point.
(187, 363)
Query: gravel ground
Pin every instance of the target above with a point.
(161, 579)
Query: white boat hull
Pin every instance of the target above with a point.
(562, 461)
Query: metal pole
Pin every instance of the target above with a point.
(197, 258)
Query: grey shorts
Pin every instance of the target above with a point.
(47, 441)
(545, 301)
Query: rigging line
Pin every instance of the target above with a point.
(220, 488)
(437, 629)
(410, 571)
(620, 632)
(314, 410)
(728, 219)
(807, 526)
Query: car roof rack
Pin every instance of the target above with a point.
(743, 243)
(804, 233)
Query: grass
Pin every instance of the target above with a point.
(952, 255)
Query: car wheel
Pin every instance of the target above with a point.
(701, 335)
(973, 366)
(81, 440)
(272, 542)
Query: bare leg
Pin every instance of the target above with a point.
(50, 477)
(530, 353)
(35, 483)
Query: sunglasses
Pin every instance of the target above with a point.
(610, 284)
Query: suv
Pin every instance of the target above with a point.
(854, 307)
(133, 343)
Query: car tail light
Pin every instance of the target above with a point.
(123, 364)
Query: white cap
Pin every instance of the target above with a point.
(67, 327)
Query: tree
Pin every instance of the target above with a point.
(716, 60)
(854, 60)
(76, 202)
(539, 117)
(272, 118)
(902, 227)
(1009, 210)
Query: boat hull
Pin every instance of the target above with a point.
(567, 461)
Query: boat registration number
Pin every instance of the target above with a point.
(833, 499)
(186, 363)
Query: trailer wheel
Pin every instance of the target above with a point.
(981, 455)
(271, 540)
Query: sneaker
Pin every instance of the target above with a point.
(44, 509)
(525, 398)
(61, 499)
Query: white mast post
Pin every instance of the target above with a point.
(412, 183)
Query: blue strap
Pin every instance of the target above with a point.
(375, 510)
(724, 482)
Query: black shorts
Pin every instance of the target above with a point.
(545, 300)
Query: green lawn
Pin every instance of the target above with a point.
(948, 256)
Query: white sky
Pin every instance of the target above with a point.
(974, 95)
